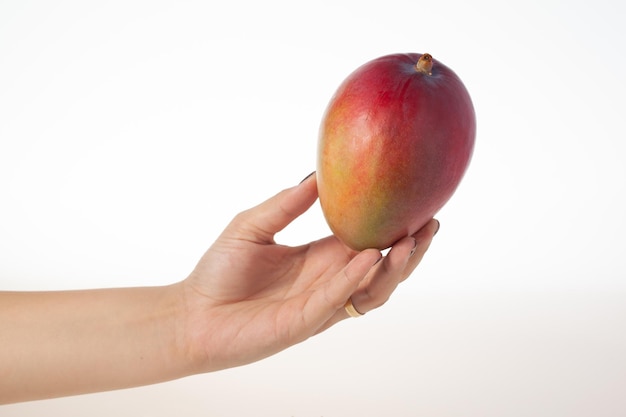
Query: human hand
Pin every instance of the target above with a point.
(250, 297)
(247, 298)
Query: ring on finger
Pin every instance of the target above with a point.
(351, 310)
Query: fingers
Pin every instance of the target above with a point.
(324, 304)
(399, 263)
(383, 278)
(262, 222)
(424, 237)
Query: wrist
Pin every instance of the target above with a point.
(178, 344)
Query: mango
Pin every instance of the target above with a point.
(394, 143)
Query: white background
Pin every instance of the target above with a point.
(132, 131)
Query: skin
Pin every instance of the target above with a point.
(247, 298)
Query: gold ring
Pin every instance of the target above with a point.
(352, 312)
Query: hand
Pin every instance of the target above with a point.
(250, 297)
(247, 298)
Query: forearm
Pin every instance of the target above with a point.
(71, 342)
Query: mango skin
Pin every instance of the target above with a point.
(394, 144)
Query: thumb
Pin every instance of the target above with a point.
(263, 221)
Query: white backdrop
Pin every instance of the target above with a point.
(132, 131)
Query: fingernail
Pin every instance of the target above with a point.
(414, 247)
(438, 226)
(307, 177)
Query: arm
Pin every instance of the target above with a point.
(246, 299)
(72, 342)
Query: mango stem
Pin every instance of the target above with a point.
(425, 64)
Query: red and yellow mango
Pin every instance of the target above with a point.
(395, 142)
